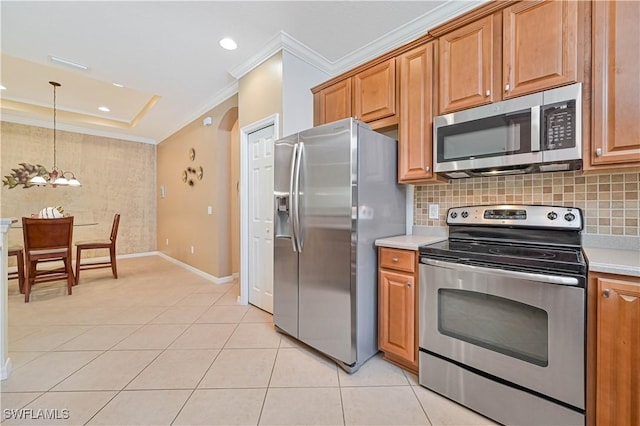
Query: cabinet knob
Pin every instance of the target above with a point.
(598, 152)
(606, 292)
(408, 284)
(487, 93)
(507, 88)
(427, 169)
(395, 259)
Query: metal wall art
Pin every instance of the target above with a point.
(190, 174)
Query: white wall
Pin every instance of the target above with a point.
(298, 77)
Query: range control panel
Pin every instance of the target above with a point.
(517, 215)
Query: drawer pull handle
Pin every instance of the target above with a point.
(395, 259)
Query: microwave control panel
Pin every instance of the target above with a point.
(559, 122)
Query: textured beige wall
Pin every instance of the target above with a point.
(609, 200)
(260, 92)
(117, 176)
(182, 215)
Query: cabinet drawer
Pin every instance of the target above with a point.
(402, 260)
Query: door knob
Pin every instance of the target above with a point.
(598, 152)
(427, 169)
(606, 292)
(487, 93)
(408, 284)
(507, 88)
(395, 259)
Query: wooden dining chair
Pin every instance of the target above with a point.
(47, 240)
(92, 245)
(18, 252)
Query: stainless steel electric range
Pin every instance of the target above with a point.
(503, 313)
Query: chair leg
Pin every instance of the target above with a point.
(114, 266)
(29, 277)
(78, 254)
(21, 272)
(70, 277)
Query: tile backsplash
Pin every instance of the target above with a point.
(609, 201)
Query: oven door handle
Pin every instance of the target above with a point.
(550, 279)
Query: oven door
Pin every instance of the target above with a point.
(526, 329)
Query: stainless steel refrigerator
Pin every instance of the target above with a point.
(335, 193)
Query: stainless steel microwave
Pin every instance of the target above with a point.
(533, 133)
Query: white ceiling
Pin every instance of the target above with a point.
(167, 56)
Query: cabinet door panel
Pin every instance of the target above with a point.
(397, 314)
(375, 92)
(466, 66)
(618, 352)
(616, 83)
(415, 132)
(539, 46)
(335, 102)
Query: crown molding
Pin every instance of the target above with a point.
(75, 129)
(213, 102)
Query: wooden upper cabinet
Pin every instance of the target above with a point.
(333, 103)
(618, 352)
(539, 46)
(415, 129)
(466, 66)
(374, 94)
(616, 84)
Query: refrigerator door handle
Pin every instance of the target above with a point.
(297, 232)
(292, 198)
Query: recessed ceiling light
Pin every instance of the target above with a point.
(2, 87)
(228, 44)
(117, 84)
(104, 109)
(68, 63)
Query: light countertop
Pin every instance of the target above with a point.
(613, 261)
(408, 242)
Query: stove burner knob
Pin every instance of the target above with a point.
(569, 217)
(552, 215)
(464, 214)
(453, 215)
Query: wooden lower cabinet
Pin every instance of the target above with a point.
(397, 313)
(613, 379)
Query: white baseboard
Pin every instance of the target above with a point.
(196, 271)
(235, 275)
(6, 369)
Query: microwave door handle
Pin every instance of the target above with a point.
(535, 128)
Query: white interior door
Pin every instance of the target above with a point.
(261, 218)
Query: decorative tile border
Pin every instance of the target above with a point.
(610, 201)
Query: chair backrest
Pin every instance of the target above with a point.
(42, 234)
(114, 227)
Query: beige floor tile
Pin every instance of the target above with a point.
(204, 336)
(443, 411)
(179, 315)
(413, 378)
(222, 407)
(133, 315)
(151, 407)
(207, 287)
(152, 336)
(15, 401)
(374, 372)
(101, 337)
(46, 371)
(240, 368)
(257, 315)
(289, 342)
(17, 332)
(303, 368)
(110, 371)
(69, 408)
(261, 335)
(48, 338)
(18, 359)
(228, 299)
(387, 405)
(175, 369)
(199, 299)
(296, 406)
(223, 314)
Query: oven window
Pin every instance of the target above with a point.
(495, 323)
(487, 137)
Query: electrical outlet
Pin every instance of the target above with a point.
(434, 211)
(166, 242)
(209, 209)
(193, 250)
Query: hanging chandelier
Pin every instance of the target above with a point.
(56, 176)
